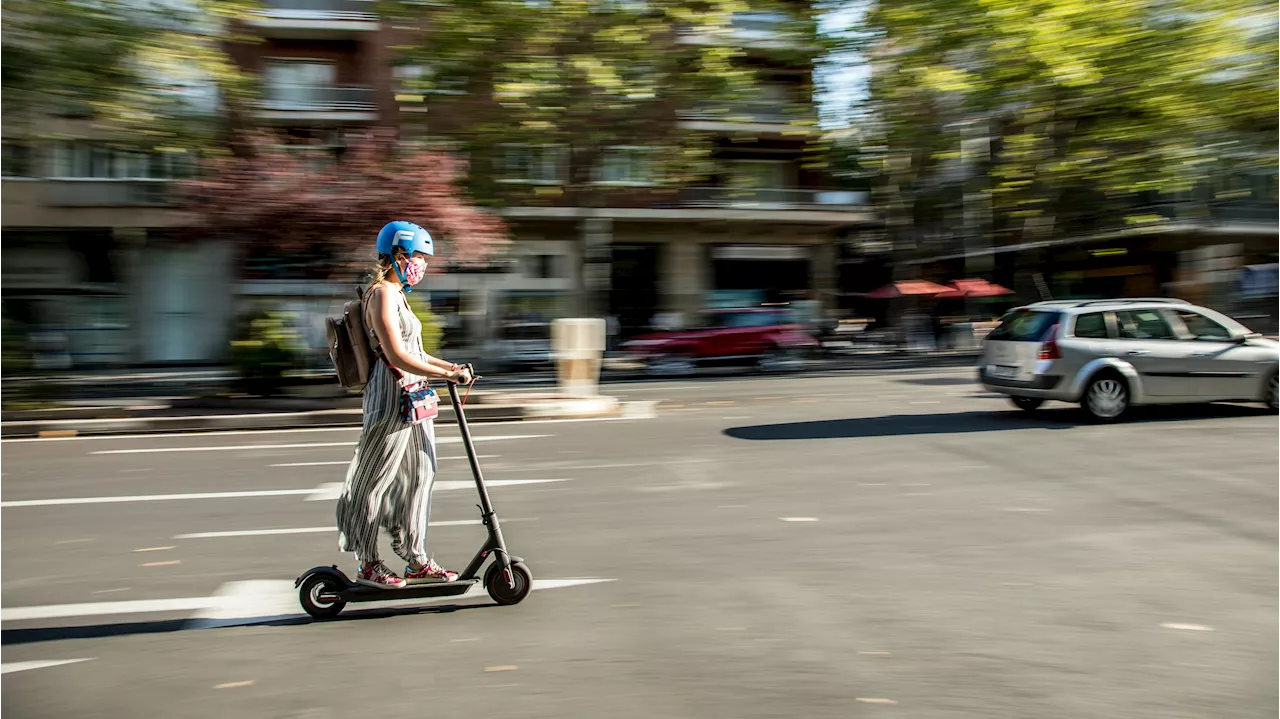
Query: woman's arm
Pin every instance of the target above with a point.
(384, 319)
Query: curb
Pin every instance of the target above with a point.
(478, 414)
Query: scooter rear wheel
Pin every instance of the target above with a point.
(311, 594)
(495, 582)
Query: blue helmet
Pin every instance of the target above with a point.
(406, 235)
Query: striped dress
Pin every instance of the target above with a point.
(389, 481)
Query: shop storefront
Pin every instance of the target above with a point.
(780, 273)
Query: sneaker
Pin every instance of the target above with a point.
(377, 575)
(430, 572)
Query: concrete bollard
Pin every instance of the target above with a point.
(578, 346)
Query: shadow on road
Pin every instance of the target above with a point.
(964, 422)
(9, 637)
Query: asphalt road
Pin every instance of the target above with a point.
(826, 545)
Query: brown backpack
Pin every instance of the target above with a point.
(349, 347)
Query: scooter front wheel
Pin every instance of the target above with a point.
(502, 591)
(319, 597)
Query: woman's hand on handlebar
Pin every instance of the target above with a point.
(460, 376)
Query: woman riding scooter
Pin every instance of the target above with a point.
(389, 481)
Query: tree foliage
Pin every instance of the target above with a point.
(151, 73)
(583, 75)
(1067, 110)
(278, 202)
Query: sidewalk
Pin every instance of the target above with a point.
(197, 400)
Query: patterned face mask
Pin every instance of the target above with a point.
(415, 271)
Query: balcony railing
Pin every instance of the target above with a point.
(316, 98)
(321, 9)
(767, 113)
(107, 193)
(772, 199)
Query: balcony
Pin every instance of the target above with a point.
(107, 193)
(773, 199)
(318, 103)
(316, 19)
(755, 116)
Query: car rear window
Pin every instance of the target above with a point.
(1091, 326)
(1024, 326)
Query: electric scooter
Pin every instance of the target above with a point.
(325, 591)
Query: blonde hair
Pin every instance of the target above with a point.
(385, 267)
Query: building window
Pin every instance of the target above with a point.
(760, 174)
(626, 166)
(17, 159)
(533, 164)
(544, 267)
(298, 81)
(84, 160)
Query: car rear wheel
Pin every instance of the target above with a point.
(1273, 392)
(1106, 399)
(781, 359)
(1027, 404)
(672, 365)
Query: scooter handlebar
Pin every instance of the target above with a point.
(471, 370)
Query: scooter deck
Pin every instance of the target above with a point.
(361, 593)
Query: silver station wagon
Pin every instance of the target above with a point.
(1109, 355)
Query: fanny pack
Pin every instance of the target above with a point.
(418, 403)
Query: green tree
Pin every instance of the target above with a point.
(1062, 114)
(147, 74)
(582, 76)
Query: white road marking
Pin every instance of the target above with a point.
(324, 491)
(153, 549)
(153, 497)
(449, 485)
(798, 519)
(243, 601)
(345, 462)
(349, 428)
(307, 530)
(234, 685)
(95, 609)
(24, 666)
(303, 445)
(1187, 627)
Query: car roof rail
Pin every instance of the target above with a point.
(1136, 300)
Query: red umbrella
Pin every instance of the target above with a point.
(906, 288)
(974, 288)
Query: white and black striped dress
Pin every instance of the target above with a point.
(389, 481)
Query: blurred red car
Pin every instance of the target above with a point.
(770, 339)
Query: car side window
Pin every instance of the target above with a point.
(1144, 325)
(1202, 327)
(1091, 326)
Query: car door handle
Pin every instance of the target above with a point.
(1137, 353)
(1201, 354)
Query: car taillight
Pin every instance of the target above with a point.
(1049, 348)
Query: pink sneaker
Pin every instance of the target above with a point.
(430, 573)
(377, 575)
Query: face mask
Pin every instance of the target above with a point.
(415, 271)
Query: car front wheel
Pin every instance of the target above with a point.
(1106, 399)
